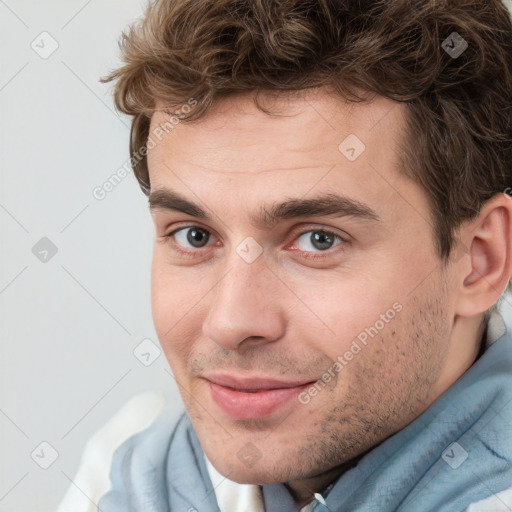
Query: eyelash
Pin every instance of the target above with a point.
(312, 256)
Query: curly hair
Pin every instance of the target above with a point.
(458, 140)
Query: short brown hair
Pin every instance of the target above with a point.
(458, 140)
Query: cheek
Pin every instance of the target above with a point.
(161, 296)
(173, 310)
(349, 310)
(172, 291)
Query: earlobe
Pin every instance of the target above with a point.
(488, 240)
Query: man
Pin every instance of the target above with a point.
(329, 183)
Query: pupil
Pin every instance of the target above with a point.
(321, 240)
(195, 235)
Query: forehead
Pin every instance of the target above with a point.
(313, 141)
(299, 119)
(301, 122)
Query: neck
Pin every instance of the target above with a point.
(303, 491)
(466, 344)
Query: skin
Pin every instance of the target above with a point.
(289, 317)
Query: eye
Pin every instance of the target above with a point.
(188, 240)
(195, 236)
(320, 240)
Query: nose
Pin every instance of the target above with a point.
(245, 306)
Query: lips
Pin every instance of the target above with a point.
(254, 397)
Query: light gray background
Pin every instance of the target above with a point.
(68, 327)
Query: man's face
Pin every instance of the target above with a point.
(298, 344)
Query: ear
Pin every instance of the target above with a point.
(483, 273)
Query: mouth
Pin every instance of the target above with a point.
(253, 398)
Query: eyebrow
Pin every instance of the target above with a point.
(331, 204)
